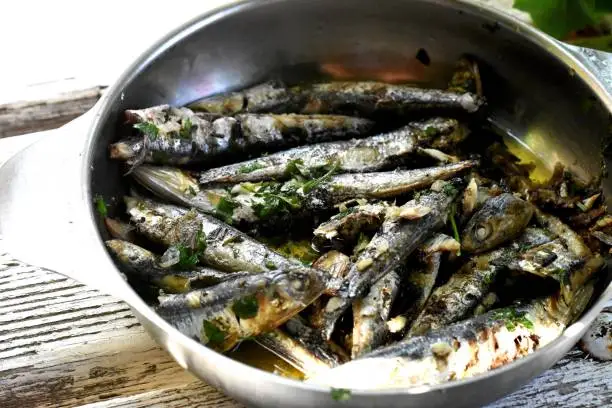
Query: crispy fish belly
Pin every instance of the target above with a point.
(146, 265)
(364, 98)
(455, 299)
(463, 350)
(182, 137)
(222, 315)
(375, 153)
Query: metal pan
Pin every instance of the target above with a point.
(557, 99)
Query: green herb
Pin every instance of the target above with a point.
(192, 191)
(430, 131)
(186, 127)
(511, 318)
(225, 209)
(246, 307)
(148, 128)
(451, 217)
(449, 190)
(308, 186)
(275, 200)
(340, 394)
(582, 207)
(214, 335)
(249, 168)
(189, 257)
(270, 265)
(101, 206)
(559, 18)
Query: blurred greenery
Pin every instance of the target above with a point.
(581, 22)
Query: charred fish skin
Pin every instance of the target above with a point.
(146, 265)
(343, 229)
(465, 289)
(463, 350)
(398, 238)
(268, 97)
(182, 137)
(371, 312)
(343, 187)
(369, 97)
(241, 308)
(373, 153)
(226, 248)
(501, 219)
(364, 98)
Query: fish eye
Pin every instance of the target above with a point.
(482, 232)
(297, 285)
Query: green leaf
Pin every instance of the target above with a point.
(246, 308)
(148, 129)
(340, 394)
(214, 335)
(558, 18)
(451, 217)
(101, 206)
(251, 167)
(225, 209)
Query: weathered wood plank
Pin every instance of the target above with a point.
(32, 116)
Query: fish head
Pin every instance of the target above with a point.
(167, 182)
(128, 253)
(500, 220)
(302, 285)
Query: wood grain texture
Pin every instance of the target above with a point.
(64, 345)
(31, 116)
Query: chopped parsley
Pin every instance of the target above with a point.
(340, 394)
(430, 131)
(275, 201)
(451, 217)
(225, 209)
(246, 307)
(270, 265)
(101, 206)
(188, 257)
(251, 167)
(511, 318)
(148, 128)
(213, 334)
(449, 190)
(186, 127)
(192, 191)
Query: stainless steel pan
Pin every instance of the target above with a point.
(555, 98)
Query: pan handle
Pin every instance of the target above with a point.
(44, 213)
(599, 62)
